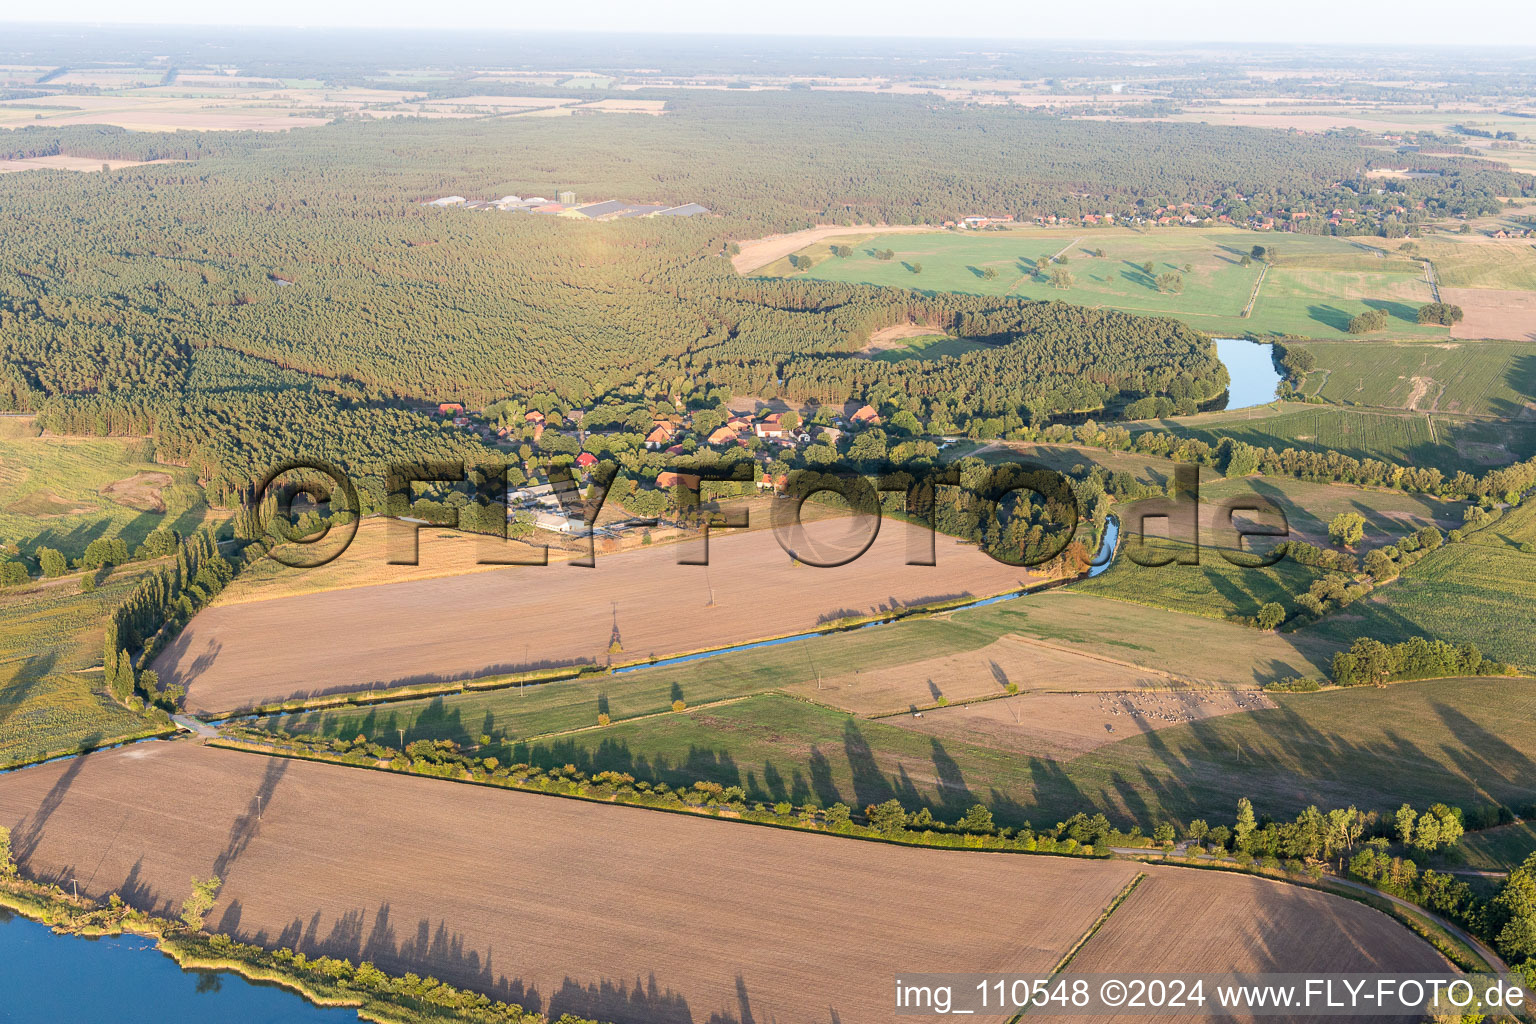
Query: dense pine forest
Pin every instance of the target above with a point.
(270, 294)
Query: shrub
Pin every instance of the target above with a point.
(1370, 320)
(53, 563)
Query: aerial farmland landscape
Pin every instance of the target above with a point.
(675, 514)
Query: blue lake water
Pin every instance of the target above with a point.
(65, 979)
(1252, 366)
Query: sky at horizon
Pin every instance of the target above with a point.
(1407, 22)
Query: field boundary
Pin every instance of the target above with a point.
(1253, 296)
(1093, 929)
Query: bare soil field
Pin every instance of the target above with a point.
(608, 912)
(759, 252)
(633, 606)
(1229, 922)
(140, 491)
(1493, 313)
(1060, 726)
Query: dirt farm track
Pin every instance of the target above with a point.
(625, 914)
(235, 656)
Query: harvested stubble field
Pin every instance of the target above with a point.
(631, 607)
(447, 552)
(1229, 922)
(614, 913)
(1493, 313)
(1059, 726)
(1023, 661)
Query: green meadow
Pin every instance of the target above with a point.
(58, 491)
(1315, 286)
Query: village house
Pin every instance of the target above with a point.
(535, 417)
(449, 408)
(769, 426)
(667, 479)
(723, 436)
(866, 416)
(586, 460)
(661, 435)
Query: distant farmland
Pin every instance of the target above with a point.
(618, 913)
(631, 607)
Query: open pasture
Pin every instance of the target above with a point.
(1485, 379)
(1217, 284)
(1476, 262)
(1463, 741)
(64, 492)
(633, 606)
(1317, 283)
(1498, 849)
(1318, 301)
(1215, 588)
(1012, 659)
(612, 913)
(1310, 507)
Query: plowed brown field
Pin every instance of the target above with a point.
(614, 913)
(235, 656)
(625, 914)
(1207, 922)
